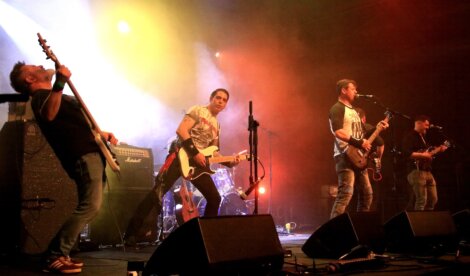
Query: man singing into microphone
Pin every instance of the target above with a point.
(348, 130)
(419, 158)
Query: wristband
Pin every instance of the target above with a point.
(189, 147)
(355, 142)
(58, 86)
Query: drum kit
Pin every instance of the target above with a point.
(231, 203)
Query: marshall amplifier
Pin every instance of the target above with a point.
(121, 197)
(136, 169)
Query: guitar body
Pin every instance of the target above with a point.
(189, 169)
(358, 157)
(188, 209)
(107, 153)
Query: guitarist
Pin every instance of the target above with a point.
(66, 129)
(348, 129)
(419, 158)
(199, 129)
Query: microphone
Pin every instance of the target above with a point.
(364, 96)
(435, 126)
(10, 97)
(244, 195)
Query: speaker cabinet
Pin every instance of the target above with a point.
(136, 169)
(122, 196)
(341, 234)
(47, 196)
(420, 232)
(226, 245)
(108, 227)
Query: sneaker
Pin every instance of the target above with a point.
(61, 265)
(75, 261)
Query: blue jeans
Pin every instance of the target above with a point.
(348, 177)
(424, 188)
(89, 176)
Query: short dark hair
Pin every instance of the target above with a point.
(422, 118)
(18, 83)
(343, 84)
(220, 90)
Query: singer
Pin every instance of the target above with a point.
(348, 130)
(198, 130)
(419, 154)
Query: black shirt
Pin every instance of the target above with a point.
(69, 133)
(413, 142)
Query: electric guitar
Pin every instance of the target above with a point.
(359, 156)
(425, 164)
(190, 170)
(96, 131)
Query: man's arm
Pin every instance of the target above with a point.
(51, 106)
(183, 131)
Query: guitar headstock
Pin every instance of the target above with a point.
(388, 115)
(46, 49)
(447, 144)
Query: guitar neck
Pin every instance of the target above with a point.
(221, 159)
(86, 111)
(376, 132)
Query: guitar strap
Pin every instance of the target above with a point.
(169, 160)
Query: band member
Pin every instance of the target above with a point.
(66, 129)
(198, 130)
(419, 158)
(374, 164)
(347, 129)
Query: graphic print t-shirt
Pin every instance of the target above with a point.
(206, 129)
(344, 117)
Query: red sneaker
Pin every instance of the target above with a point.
(61, 265)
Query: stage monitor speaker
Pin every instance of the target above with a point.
(47, 196)
(462, 224)
(341, 234)
(226, 245)
(420, 232)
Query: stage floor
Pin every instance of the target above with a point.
(114, 261)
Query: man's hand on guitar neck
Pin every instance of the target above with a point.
(443, 147)
(382, 125)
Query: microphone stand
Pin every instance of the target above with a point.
(253, 142)
(394, 146)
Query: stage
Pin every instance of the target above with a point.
(115, 260)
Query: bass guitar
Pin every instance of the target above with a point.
(96, 131)
(190, 170)
(359, 156)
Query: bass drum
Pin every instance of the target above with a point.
(223, 181)
(231, 205)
